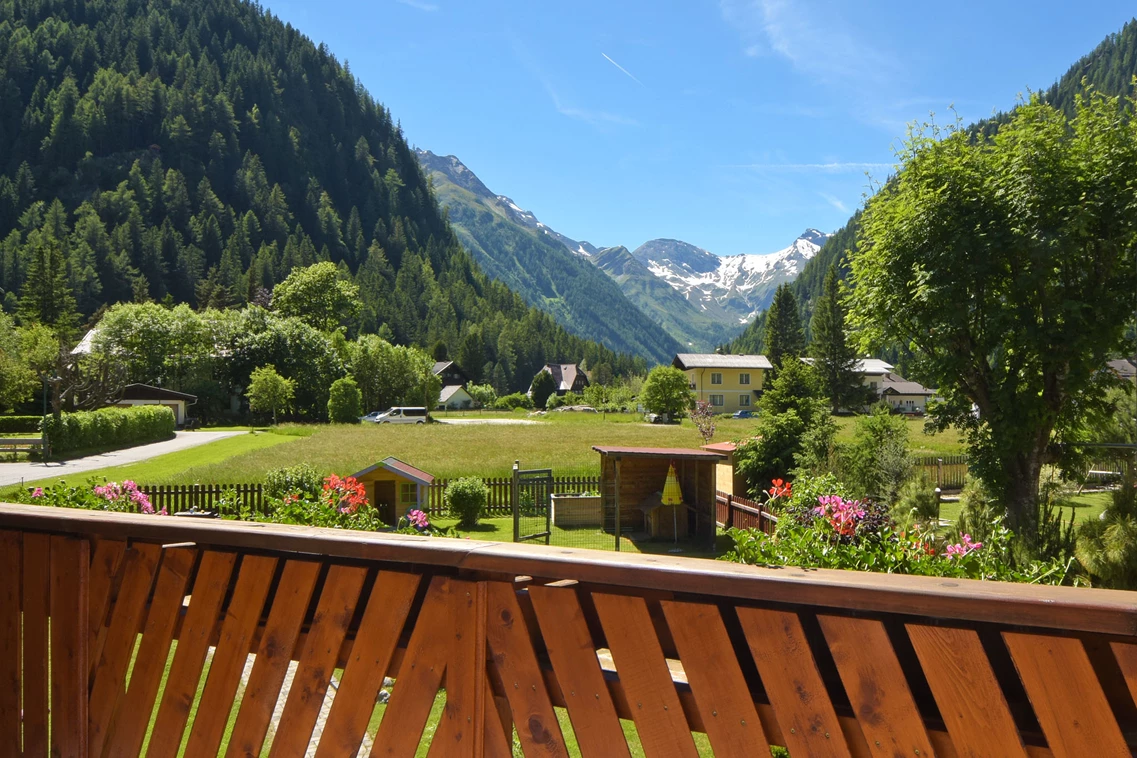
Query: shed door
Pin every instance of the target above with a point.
(385, 499)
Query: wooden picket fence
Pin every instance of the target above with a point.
(500, 501)
(735, 512)
(205, 497)
(948, 472)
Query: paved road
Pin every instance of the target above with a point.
(26, 471)
(495, 421)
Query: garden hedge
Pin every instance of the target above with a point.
(19, 424)
(110, 428)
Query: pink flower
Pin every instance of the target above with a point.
(962, 548)
(37, 492)
(418, 519)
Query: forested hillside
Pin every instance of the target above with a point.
(198, 152)
(537, 266)
(1110, 68)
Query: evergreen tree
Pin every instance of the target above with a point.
(834, 358)
(46, 297)
(784, 335)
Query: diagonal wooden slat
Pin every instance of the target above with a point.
(1068, 700)
(317, 660)
(128, 725)
(278, 642)
(10, 622)
(875, 684)
(1126, 655)
(573, 655)
(381, 625)
(37, 554)
(208, 591)
(645, 677)
(498, 730)
(516, 662)
(70, 564)
(461, 729)
(712, 670)
(105, 565)
(789, 674)
(139, 566)
(966, 691)
(420, 672)
(233, 648)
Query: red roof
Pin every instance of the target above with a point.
(658, 452)
(403, 469)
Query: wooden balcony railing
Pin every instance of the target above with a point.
(543, 646)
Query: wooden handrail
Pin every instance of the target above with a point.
(1074, 609)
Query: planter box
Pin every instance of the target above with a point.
(576, 510)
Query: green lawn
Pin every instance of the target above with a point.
(941, 443)
(1085, 507)
(562, 441)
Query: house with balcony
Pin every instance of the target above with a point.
(728, 382)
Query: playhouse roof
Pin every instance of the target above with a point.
(394, 465)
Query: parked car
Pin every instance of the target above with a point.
(372, 417)
(399, 415)
(743, 414)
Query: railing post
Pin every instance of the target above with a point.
(514, 498)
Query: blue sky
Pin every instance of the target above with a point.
(731, 124)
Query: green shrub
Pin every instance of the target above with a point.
(1107, 547)
(979, 515)
(513, 402)
(344, 401)
(917, 501)
(878, 462)
(110, 428)
(19, 424)
(300, 479)
(466, 501)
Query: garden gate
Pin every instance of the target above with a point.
(532, 504)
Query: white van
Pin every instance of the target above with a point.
(400, 415)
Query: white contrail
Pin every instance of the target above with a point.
(626, 71)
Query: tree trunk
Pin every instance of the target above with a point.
(1020, 495)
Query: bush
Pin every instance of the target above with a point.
(513, 402)
(483, 394)
(19, 424)
(110, 428)
(300, 479)
(1107, 547)
(667, 391)
(917, 501)
(466, 501)
(979, 516)
(344, 401)
(878, 462)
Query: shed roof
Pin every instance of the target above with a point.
(721, 447)
(894, 384)
(659, 452)
(150, 392)
(714, 360)
(450, 391)
(394, 465)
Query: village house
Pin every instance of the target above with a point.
(567, 377)
(145, 394)
(728, 382)
(453, 396)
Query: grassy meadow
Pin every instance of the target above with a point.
(562, 441)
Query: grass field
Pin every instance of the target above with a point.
(1085, 507)
(559, 441)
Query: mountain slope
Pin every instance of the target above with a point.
(200, 151)
(696, 330)
(1109, 68)
(730, 288)
(512, 246)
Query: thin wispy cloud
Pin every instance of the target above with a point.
(808, 36)
(419, 4)
(815, 168)
(587, 115)
(626, 71)
(834, 201)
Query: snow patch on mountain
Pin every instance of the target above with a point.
(737, 286)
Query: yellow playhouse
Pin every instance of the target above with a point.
(394, 487)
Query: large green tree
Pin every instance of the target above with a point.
(784, 334)
(1007, 264)
(666, 390)
(835, 358)
(46, 297)
(319, 295)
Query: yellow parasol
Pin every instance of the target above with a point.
(673, 496)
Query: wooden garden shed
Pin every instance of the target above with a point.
(394, 487)
(631, 485)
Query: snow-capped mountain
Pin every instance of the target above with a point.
(735, 286)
